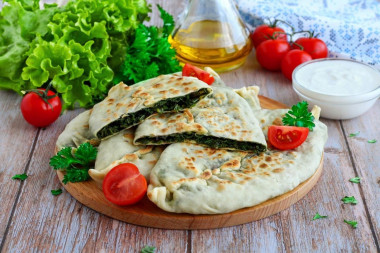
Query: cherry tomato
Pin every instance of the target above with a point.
(291, 60)
(190, 70)
(314, 46)
(271, 52)
(124, 185)
(267, 32)
(37, 111)
(287, 137)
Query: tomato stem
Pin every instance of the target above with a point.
(298, 45)
(43, 94)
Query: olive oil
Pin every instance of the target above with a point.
(212, 43)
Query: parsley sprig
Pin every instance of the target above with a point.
(56, 192)
(353, 223)
(318, 216)
(150, 54)
(349, 200)
(76, 162)
(148, 249)
(355, 180)
(21, 177)
(299, 116)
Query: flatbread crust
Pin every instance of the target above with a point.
(223, 115)
(193, 179)
(123, 101)
(120, 149)
(77, 132)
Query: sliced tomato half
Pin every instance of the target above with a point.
(190, 70)
(124, 185)
(287, 137)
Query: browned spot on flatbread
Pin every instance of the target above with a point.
(263, 165)
(86, 126)
(158, 85)
(262, 121)
(188, 115)
(129, 136)
(153, 162)
(131, 157)
(145, 150)
(277, 122)
(206, 174)
(164, 130)
(278, 170)
(94, 142)
(268, 159)
(174, 91)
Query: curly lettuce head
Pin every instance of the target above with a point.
(79, 50)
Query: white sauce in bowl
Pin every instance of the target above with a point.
(338, 77)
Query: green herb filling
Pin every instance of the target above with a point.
(168, 105)
(210, 141)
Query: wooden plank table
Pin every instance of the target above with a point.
(32, 220)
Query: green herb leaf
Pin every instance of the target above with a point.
(76, 162)
(354, 134)
(349, 200)
(353, 223)
(355, 180)
(148, 249)
(21, 177)
(299, 116)
(372, 141)
(168, 22)
(318, 216)
(56, 192)
(150, 54)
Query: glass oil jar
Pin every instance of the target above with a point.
(211, 33)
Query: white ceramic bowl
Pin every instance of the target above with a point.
(338, 104)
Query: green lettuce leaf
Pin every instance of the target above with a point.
(20, 23)
(85, 42)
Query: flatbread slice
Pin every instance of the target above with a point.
(77, 132)
(193, 179)
(120, 149)
(127, 106)
(221, 120)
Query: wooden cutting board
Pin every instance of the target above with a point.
(145, 213)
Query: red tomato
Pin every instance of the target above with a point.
(267, 32)
(314, 46)
(287, 137)
(124, 185)
(190, 70)
(291, 60)
(271, 52)
(37, 112)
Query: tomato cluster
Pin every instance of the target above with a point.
(274, 52)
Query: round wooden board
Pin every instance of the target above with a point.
(145, 213)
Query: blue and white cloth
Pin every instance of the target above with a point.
(350, 28)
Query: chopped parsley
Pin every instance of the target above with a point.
(354, 134)
(299, 116)
(349, 200)
(148, 249)
(372, 141)
(353, 223)
(21, 177)
(318, 216)
(355, 180)
(56, 192)
(75, 162)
